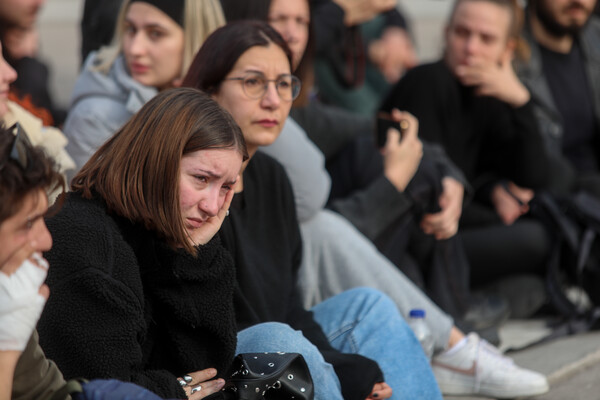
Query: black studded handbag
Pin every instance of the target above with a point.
(269, 376)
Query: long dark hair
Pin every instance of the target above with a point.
(224, 47)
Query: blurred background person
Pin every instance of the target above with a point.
(19, 34)
(362, 47)
(50, 138)
(153, 44)
(472, 103)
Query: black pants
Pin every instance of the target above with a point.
(440, 268)
(496, 250)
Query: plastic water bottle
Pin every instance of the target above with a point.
(417, 323)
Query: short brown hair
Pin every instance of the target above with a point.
(17, 181)
(137, 170)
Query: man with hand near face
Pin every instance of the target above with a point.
(472, 103)
(563, 77)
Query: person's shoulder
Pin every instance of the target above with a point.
(423, 84)
(593, 24)
(267, 173)
(591, 34)
(430, 77)
(88, 239)
(427, 71)
(266, 164)
(79, 218)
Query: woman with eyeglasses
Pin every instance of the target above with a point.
(360, 332)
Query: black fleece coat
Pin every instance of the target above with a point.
(480, 134)
(125, 305)
(263, 236)
(486, 138)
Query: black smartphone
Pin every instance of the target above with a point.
(384, 122)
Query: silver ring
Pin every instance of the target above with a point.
(196, 389)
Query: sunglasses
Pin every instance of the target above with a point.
(20, 147)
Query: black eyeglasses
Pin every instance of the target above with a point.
(255, 85)
(20, 146)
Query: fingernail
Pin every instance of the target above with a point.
(375, 394)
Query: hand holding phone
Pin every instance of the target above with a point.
(402, 153)
(384, 122)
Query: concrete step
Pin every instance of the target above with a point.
(571, 363)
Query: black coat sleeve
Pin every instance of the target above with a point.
(92, 323)
(515, 146)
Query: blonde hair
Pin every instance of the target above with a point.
(517, 19)
(201, 18)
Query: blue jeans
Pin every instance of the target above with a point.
(361, 321)
(275, 336)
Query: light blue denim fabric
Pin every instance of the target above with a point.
(365, 321)
(361, 321)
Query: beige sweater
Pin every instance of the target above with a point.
(49, 138)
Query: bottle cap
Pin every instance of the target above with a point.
(417, 313)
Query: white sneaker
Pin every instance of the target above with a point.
(479, 368)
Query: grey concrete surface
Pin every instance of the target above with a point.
(583, 386)
(571, 364)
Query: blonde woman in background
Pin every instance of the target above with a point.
(153, 45)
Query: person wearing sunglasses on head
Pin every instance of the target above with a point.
(26, 175)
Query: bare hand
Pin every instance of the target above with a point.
(205, 382)
(359, 11)
(211, 226)
(444, 224)
(494, 80)
(14, 261)
(510, 206)
(380, 391)
(401, 158)
(393, 53)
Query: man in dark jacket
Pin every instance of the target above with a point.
(563, 77)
